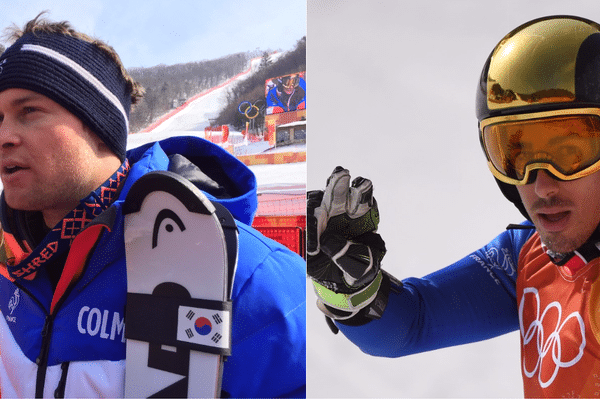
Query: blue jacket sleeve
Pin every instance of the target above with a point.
(269, 321)
(471, 300)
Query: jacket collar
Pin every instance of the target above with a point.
(236, 186)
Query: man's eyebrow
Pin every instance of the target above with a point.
(24, 99)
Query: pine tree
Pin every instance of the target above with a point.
(265, 62)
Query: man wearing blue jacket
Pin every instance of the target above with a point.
(538, 108)
(64, 108)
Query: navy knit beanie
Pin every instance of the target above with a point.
(77, 75)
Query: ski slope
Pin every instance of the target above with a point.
(195, 115)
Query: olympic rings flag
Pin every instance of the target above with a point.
(251, 110)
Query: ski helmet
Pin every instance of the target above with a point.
(547, 67)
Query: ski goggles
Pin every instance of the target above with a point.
(565, 143)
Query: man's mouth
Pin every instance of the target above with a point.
(554, 221)
(11, 169)
(554, 217)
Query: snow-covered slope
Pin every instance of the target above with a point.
(191, 119)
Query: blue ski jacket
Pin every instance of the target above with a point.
(471, 300)
(69, 341)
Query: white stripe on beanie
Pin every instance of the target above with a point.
(83, 73)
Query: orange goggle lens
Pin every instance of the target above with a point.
(568, 146)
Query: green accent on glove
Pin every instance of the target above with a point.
(349, 302)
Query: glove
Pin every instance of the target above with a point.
(344, 252)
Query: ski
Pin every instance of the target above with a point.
(181, 252)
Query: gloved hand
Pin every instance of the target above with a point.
(344, 252)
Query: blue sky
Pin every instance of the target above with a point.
(151, 32)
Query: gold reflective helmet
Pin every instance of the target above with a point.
(538, 103)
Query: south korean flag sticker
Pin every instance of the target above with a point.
(204, 327)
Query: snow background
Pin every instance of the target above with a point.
(391, 97)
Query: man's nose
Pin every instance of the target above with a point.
(8, 135)
(545, 185)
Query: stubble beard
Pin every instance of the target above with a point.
(61, 198)
(560, 245)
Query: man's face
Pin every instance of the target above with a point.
(565, 213)
(48, 158)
